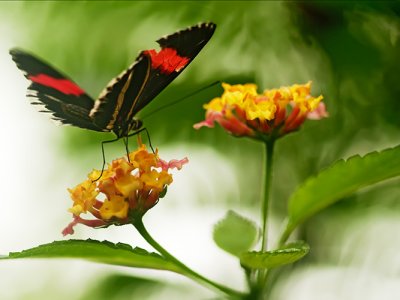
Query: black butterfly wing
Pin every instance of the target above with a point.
(111, 108)
(190, 41)
(147, 77)
(60, 96)
(187, 43)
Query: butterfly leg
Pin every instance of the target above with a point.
(148, 136)
(125, 139)
(104, 156)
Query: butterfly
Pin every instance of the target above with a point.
(116, 107)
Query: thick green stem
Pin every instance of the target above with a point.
(269, 148)
(187, 271)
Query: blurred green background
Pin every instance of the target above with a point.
(350, 50)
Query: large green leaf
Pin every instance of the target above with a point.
(271, 259)
(340, 180)
(103, 252)
(235, 234)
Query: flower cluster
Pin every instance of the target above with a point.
(243, 112)
(129, 188)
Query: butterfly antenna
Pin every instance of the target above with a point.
(181, 99)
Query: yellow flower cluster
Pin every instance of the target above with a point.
(243, 112)
(129, 189)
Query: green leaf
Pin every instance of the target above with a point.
(235, 234)
(340, 180)
(103, 252)
(271, 259)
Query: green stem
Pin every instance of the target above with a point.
(145, 234)
(285, 234)
(269, 148)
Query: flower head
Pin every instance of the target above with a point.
(129, 188)
(243, 112)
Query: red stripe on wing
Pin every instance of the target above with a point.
(64, 86)
(167, 60)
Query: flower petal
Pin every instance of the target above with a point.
(174, 163)
(319, 113)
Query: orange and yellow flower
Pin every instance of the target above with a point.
(243, 112)
(129, 188)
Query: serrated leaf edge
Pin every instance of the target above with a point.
(337, 163)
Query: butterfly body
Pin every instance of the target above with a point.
(116, 107)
